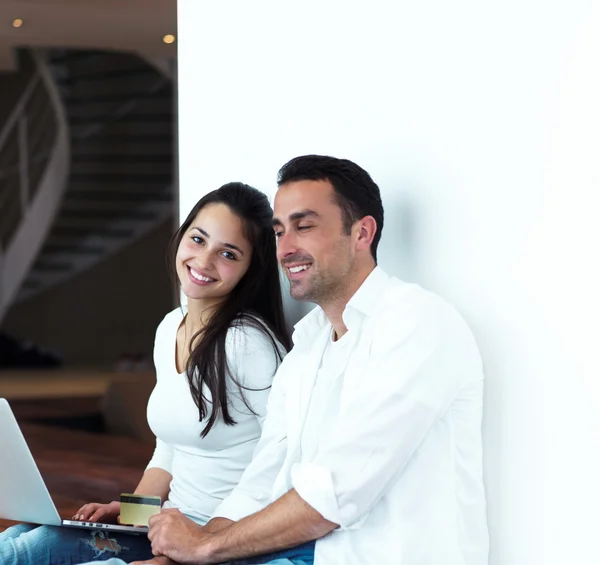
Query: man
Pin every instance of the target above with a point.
(372, 442)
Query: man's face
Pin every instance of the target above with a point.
(312, 248)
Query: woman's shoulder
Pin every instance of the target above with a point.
(253, 352)
(171, 321)
(249, 333)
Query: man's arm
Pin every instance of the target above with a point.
(287, 522)
(217, 524)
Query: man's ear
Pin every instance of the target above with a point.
(366, 228)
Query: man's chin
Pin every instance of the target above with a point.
(298, 292)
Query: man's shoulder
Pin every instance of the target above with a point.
(407, 308)
(399, 298)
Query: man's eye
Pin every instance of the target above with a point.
(300, 228)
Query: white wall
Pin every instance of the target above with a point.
(481, 124)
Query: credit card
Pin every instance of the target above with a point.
(136, 509)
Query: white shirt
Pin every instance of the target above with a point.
(400, 469)
(325, 397)
(205, 470)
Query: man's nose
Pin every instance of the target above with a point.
(286, 246)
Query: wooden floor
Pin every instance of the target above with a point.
(80, 466)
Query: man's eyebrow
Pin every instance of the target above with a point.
(297, 216)
(229, 245)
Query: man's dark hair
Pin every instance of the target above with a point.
(356, 193)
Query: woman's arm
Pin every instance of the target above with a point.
(155, 482)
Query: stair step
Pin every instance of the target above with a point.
(95, 76)
(120, 126)
(82, 214)
(83, 61)
(120, 197)
(130, 118)
(97, 157)
(161, 94)
(139, 188)
(129, 87)
(116, 177)
(130, 103)
(31, 284)
(82, 231)
(137, 138)
(62, 56)
(148, 170)
(105, 147)
(74, 249)
(121, 131)
(48, 265)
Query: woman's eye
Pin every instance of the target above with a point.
(197, 239)
(278, 233)
(300, 228)
(229, 255)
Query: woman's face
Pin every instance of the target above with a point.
(213, 254)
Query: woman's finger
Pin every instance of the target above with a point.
(81, 513)
(97, 514)
(86, 511)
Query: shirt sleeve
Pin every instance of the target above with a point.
(253, 492)
(162, 457)
(414, 371)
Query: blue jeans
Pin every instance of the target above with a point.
(302, 555)
(27, 544)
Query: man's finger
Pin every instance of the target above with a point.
(154, 519)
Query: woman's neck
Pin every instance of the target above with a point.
(199, 313)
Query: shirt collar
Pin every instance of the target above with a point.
(363, 303)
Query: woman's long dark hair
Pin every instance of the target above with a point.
(255, 301)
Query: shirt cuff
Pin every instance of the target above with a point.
(236, 507)
(314, 484)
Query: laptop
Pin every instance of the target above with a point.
(24, 496)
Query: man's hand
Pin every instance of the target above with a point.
(162, 560)
(177, 537)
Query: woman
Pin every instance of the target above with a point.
(215, 360)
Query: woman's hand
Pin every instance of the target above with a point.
(94, 512)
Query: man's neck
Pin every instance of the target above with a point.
(334, 309)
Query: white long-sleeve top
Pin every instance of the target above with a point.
(205, 470)
(395, 457)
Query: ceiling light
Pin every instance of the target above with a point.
(169, 38)
(17, 22)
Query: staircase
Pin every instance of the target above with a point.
(120, 112)
(34, 163)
